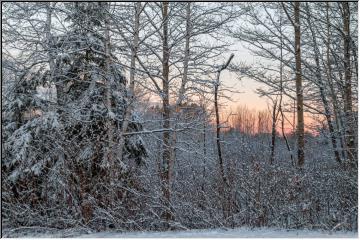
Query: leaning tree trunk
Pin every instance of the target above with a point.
(322, 88)
(338, 120)
(225, 184)
(223, 188)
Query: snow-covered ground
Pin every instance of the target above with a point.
(206, 233)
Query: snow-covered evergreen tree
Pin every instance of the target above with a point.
(57, 153)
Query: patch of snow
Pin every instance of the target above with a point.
(225, 233)
(243, 232)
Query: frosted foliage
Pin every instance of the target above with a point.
(170, 150)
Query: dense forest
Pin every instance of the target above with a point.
(114, 116)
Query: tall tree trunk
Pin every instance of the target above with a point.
(167, 165)
(299, 88)
(109, 157)
(49, 46)
(184, 80)
(350, 142)
(322, 88)
(338, 120)
(131, 98)
(186, 54)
